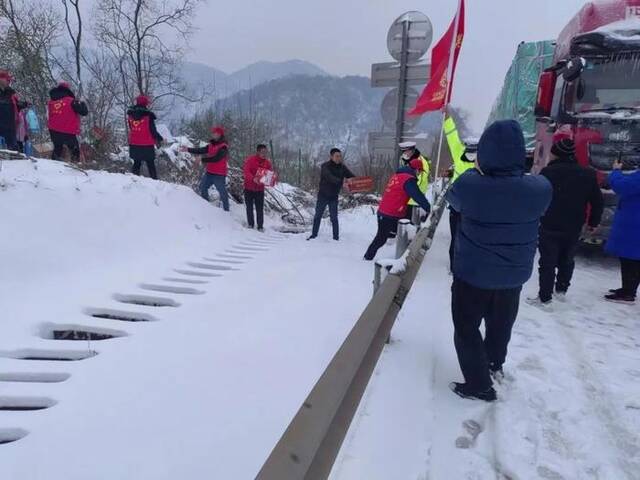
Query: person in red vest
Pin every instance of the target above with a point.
(216, 157)
(10, 108)
(64, 120)
(253, 190)
(143, 136)
(402, 187)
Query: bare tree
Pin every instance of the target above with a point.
(75, 34)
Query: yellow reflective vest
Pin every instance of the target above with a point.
(423, 178)
(457, 149)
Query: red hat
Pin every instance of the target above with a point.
(143, 100)
(4, 75)
(562, 134)
(416, 164)
(64, 84)
(219, 130)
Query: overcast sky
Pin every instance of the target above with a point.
(345, 36)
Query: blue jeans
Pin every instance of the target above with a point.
(321, 206)
(220, 182)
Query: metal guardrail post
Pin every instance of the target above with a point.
(402, 237)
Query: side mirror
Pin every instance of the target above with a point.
(574, 69)
(546, 89)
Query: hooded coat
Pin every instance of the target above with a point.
(624, 240)
(500, 211)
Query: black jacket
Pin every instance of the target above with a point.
(137, 112)
(8, 112)
(222, 153)
(332, 177)
(59, 92)
(574, 188)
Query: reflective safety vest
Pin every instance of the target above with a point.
(217, 168)
(423, 178)
(395, 199)
(457, 149)
(62, 117)
(140, 131)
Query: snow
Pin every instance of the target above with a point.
(569, 408)
(626, 30)
(207, 387)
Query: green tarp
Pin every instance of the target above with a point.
(517, 99)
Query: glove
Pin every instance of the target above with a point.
(449, 173)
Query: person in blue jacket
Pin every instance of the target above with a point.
(500, 207)
(624, 240)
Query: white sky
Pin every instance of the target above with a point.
(346, 36)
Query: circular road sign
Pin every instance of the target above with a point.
(420, 33)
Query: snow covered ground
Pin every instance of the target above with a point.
(206, 385)
(568, 410)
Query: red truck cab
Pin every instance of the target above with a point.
(592, 93)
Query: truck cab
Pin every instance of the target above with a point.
(592, 93)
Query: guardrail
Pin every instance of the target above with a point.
(308, 448)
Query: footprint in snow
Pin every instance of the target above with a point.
(473, 429)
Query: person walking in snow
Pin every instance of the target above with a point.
(216, 157)
(253, 188)
(624, 240)
(410, 152)
(332, 175)
(143, 136)
(500, 209)
(64, 120)
(394, 204)
(575, 189)
(10, 107)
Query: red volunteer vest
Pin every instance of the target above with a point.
(62, 118)
(217, 168)
(394, 200)
(140, 132)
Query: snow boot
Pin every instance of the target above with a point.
(621, 297)
(464, 391)
(261, 230)
(560, 296)
(312, 237)
(497, 374)
(538, 303)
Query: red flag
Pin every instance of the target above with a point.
(437, 94)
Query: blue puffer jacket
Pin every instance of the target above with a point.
(624, 240)
(500, 212)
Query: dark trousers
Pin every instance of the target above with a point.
(61, 140)
(9, 136)
(256, 199)
(321, 206)
(454, 221)
(557, 261)
(220, 182)
(499, 309)
(630, 270)
(146, 154)
(386, 227)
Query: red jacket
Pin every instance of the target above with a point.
(219, 167)
(140, 131)
(62, 117)
(395, 198)
(250, 169)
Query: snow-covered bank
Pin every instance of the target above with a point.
(569, 408)
(207, 388)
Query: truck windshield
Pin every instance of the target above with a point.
(608, 85)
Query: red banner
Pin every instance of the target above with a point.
(360, 184)
(437, 94)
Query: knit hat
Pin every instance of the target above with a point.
(564, 148)
(219, 130)
(143, 100)
(416, 164)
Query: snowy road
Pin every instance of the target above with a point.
(569, 409)
(207, 389)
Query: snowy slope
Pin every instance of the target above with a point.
(207, 388)
(569, 409)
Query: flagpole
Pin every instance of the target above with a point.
(452, 55)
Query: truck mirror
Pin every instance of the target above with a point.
(574, 69)
(546, 89)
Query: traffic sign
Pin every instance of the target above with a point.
(420, 35)
(389, 108)
(388, 74)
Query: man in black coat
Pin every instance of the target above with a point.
(575, 188)
(332, 175)
(9, 108)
